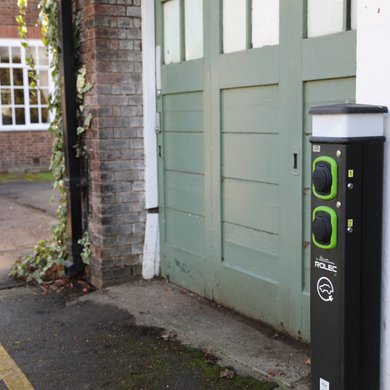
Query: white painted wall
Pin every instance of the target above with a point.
(151, 257)
(373, 87)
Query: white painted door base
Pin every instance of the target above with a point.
(151, 258)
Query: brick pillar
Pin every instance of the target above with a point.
(111, 51)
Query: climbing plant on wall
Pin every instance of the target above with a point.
(47, 261)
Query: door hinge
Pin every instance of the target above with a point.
(158, 122)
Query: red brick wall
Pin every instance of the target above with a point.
(111, 51)
(8, 25)
(24, 151)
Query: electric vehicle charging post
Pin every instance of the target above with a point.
(346, 220)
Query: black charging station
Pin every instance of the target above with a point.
(347, 185)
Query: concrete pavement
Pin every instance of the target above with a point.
(26, 216)
(247, 345)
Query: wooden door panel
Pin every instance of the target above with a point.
(252, 67)
(330, 56)
(254, 296)
(234, 171)
(251, 157)
(182, 77)
(185, 231)
(183, 112)
(251, 204)
(183, 152)
(250, 110)
(184, 192)
(251, 250)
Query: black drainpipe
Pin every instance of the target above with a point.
(73, 182)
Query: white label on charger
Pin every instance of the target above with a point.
(324, 385)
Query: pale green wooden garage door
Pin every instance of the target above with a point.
(237, 80)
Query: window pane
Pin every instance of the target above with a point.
(32, 52)
(5, 78)
(32, 76)
(4, 55)
(353, 14)
(34, 117)
(193, 10)
(43, 79)
(234, 25)
(6, 114)
(42, 56)
(6, 97)
(171, 11)
(18, 76)
(19, 96)
(33, 96)
(44, 96)
(325, 17)
(16, 55)
(19, 116)
(45, 115)
(265, 22)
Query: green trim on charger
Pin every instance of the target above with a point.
(333, 222)
(334, 172)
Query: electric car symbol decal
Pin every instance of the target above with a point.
(325, 289)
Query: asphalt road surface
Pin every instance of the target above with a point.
(57, 343)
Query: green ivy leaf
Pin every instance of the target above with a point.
(87, 121)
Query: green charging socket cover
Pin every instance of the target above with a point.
(333, 169)
(333, 222)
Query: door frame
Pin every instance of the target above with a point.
(151, 251)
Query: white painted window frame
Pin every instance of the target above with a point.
(253, 33)
(33, 43)
(181, 50)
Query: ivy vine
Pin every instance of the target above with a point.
(48, 258)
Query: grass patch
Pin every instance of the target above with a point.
(34, 177)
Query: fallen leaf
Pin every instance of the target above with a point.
(227, 373)
(275, 372)
(168, 336)
(211, 359)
